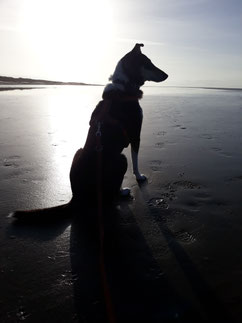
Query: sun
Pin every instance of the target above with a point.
(67, 35)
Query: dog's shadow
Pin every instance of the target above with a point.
(139, 290)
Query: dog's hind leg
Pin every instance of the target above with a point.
(114, 173)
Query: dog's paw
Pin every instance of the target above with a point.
(125, 192)
(141, 178)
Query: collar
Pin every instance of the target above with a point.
(121, 92)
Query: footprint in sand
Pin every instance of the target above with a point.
(206, 136)
(183, 184)
(160, 145)
(155, 165)
(222, 153)
(160, 133)
(179, 126)
(11, 161)
(158, 202)
(185, 236)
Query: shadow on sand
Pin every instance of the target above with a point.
(140, 291)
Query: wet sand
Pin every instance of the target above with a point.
(172, 253)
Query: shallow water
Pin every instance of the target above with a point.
(40, 132)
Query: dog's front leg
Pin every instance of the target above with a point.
(134, 157)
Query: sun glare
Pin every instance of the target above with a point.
(67, 35)
(69, 111)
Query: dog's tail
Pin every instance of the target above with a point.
(63, 211)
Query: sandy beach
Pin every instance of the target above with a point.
(172, 253)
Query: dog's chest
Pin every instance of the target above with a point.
(129, 114)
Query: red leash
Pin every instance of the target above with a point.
(104, 278)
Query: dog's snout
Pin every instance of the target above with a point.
(159, 76)
(164, 76)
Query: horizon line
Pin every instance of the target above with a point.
(76, 83)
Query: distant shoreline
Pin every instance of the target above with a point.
(198, 87)
(209, 88)
(12, 83)
(11, 87)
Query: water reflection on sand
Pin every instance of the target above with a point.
(69, 114)
(41, 130)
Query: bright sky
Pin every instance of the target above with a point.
(197, 42)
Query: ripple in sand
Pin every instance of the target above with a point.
(216, 149)
(203, 196)
(217, 202)
(225, 154)
(222, 153)
(236, 178)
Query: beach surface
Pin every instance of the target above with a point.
(172, 253)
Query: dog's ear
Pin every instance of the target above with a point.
(137, 49)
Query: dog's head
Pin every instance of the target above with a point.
(135, 68)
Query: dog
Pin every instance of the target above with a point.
(98, 168)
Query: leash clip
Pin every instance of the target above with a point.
(98, 132)
(99, 146)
